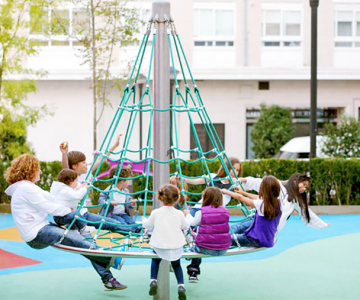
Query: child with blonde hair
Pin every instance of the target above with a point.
(167, 238)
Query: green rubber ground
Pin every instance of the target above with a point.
(323, 270)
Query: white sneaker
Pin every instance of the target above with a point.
(87, 230)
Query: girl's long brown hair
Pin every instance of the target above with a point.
(292, 188)
(269, 192)
(233, 161)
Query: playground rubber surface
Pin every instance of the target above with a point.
(305, 264)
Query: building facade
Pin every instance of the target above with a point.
(241, 53)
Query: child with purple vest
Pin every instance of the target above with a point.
(261, 232)
(213, 236)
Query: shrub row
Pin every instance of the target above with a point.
(334, 181)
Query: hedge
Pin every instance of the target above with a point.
(335, 181)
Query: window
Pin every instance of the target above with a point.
(264, 85)
(347, 28)
(214, 25)
(281, 28)
(204, 139)
(64, 28)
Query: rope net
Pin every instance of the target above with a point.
(123, 241)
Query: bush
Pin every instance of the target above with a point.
(335, 181)
(271, 131)
(343, 139)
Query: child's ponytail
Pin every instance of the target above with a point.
(182, 199)
(169, 194)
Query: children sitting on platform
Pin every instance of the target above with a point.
(76, 161)
(261, 232)
(67, 194)
(213, 236)
(220, 180)
(117, 209)
(167, 238)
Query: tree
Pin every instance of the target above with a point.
(272, 130)
(17, 81)
(101, 27)
(342, 140)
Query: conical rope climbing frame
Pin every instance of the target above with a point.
(128, 244)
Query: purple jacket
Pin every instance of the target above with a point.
(263, 230)
(214, 232)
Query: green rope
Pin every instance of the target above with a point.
(180, 104)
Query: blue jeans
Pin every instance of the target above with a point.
(126, 219)
(51, 234)
(67, 219)
(241, 226)
(97, 218)
(239, 229)
(209, 251)
(155, 264)
(244, 241)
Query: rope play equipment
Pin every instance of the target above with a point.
(189, 103)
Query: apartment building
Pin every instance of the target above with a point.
(241, 53)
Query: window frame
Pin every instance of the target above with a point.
(281, 38)
(207, 143)
(354, 39)
(213, 40)
(49, 40)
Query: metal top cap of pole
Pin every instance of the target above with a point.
(314, 3)
(161, 11)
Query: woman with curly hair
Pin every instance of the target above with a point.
(30, 207)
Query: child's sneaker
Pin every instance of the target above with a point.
(116, 263)
(153, 288)
(87, 230)
(181, 292)
(113, 284)
(193, 277)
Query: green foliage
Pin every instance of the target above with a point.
(272, 130)
(343, 140)
(12, 135)
(335, 181)
(105, 27)
(3, 184)
(17, 81)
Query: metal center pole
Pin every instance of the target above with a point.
(161, 13)
(313, 90)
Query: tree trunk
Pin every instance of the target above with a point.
(94, 73)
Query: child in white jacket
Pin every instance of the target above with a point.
(65, 194)
(167, 238)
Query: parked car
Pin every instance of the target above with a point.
(299, 147)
